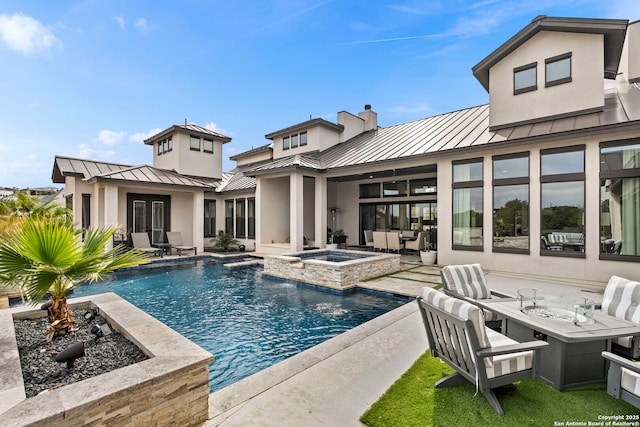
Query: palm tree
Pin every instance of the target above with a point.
(47, 255)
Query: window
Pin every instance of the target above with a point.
(228, 217)
(209, 218)
(511, 203)
(285, 143)
(369, 190)
(394, 189)
(421, 187)
(558, 70)
(562, 201)
(303, 139)
(525, 78)
(86, 211)
(251, 218)
(207, 145)
(467, 204)
(620, 200)
(170, 143)
(240, 217)
(294, 141)
(195, 143)
(160, 149)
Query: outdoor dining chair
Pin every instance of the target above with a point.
(457, 335)
(141, 243)
(393, 241)
(380, 241)
(368, 239)
(175, 242)
(417, 244)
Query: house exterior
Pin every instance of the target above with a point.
(544, 180)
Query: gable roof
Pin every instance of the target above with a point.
(69, 166)
(188, 128)
(613, 30)
(262, 149)
(305, 125)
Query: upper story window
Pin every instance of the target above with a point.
(207, 145)
(558, 70)
(195, 143)
(294, 141)
(285, 143)
(303, 139)
(525, 78)
(369, 190)
(165, 146)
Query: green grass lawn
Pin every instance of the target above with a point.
(413, 401)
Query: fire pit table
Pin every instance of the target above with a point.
(576, 332)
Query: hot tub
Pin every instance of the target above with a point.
(337, 269)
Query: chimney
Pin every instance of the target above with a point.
(370, 118)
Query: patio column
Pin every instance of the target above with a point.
(296, 209)
(110, 208)
(321, 211)
(198, 220)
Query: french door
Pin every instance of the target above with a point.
(149, 213)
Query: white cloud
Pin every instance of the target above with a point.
(111, 138)
(120, 21)
(86, 152)
(142, 24)
(214, 127)
(26, 35)
(419, 109)
(141, 136)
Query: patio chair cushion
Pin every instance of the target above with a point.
(622, 299)
(467, 280)
(504, 364)
(461, 309)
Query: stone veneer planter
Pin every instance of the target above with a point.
(169, 388)
(335, 275)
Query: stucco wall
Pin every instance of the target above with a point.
(583, 93)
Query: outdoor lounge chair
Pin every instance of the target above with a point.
(623, 380)
(482, 356)
(175, 242)
(141, 243)
(622, 300)
(467, 282)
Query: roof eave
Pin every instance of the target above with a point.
(177, 128)
(305, 125)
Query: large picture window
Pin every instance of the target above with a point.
(620, 200)
(511, 203)
(467, 204)
(562, 201)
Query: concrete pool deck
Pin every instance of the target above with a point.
(335, 382)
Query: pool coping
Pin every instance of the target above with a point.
(230, 398)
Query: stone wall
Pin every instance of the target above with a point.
(170, 388)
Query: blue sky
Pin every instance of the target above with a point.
(92, 79)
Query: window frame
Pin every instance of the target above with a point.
(511, 181)
(294, 140)
(192, 138)
(470, 184)
(303, 141)
(204, 145)
(531, 66)
(553, 60)
(207, 209)
(241, 217)
(286, 145)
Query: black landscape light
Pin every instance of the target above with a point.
(71, 353)
(101, 330)
(90, 315)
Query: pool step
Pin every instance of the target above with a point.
(247, 262)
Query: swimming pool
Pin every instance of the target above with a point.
(247, 322)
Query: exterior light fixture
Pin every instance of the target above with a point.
(71, 353)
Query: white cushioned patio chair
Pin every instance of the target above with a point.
(622, 300)
(623, 380)
(380, 241)
(141, 243)
(457, 335)
(468, 282)
(417, 244)
(368, 239)
(393, 241)
(175, 242)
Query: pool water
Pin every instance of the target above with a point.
(247, 322)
